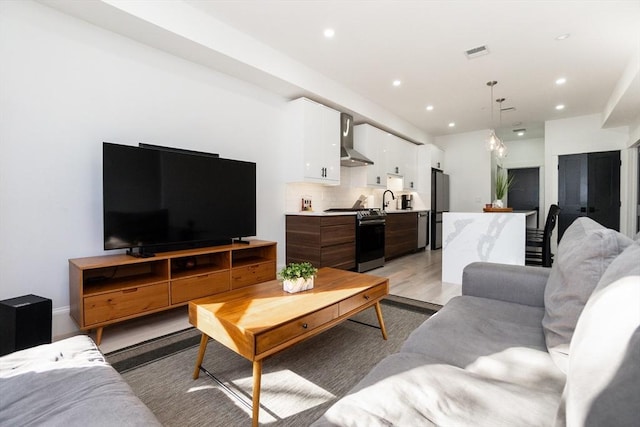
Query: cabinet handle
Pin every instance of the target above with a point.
(411, 184)
(367, 297)
(377, 180)
(397, 169)
(128, 291)
(305, 326)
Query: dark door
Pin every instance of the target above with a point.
(589, 185)
(524, 192)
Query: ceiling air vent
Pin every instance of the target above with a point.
(476, 51)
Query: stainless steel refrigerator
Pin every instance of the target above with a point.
(439, 204)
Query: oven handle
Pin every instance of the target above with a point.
(372, 222)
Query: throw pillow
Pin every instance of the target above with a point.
(584, 253)
(603, 379)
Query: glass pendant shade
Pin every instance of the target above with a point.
(501, 150)
(493, 142)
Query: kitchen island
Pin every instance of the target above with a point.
(493, 237)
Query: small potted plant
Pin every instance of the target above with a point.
(297, 277)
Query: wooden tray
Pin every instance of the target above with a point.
(497, 209)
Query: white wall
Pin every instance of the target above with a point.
(584, 135)
(468, 164)
(67, 86)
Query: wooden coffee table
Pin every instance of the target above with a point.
(260, 320)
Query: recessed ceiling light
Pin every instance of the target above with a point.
(397, 83)
(563, 36)
(452, 124)
(561, 81)
(429, 107)
(560, 107)
(520, 133)
(329, 33)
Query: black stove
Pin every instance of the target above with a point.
(370, 228)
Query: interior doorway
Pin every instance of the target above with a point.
(589, 185)
(524, 192)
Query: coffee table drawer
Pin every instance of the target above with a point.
(298, 327)
(362, 298)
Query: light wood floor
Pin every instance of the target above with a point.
(416, 276)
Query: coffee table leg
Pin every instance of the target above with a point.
(203, 347)
(381, 320)
(257, 376)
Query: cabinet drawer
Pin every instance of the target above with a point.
(117, 304)
(195, 287)
(337, 234)
(253, 274)
(294, 329)
(332, 221)
(362, 298)
(339, 256)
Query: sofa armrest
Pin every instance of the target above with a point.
(511, 283)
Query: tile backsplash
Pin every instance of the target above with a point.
(339, 196)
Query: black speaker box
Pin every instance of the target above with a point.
(26, 322)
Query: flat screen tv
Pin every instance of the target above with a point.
(157, 200)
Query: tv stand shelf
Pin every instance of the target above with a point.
(112, 288)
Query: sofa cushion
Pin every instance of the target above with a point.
(408, 389)
(603, 384)
(468, 328)
(67, 383)
(584, 253)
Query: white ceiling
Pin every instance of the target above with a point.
(422, 43)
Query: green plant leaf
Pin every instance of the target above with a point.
(295, 270)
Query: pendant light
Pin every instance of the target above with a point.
(501, 149)
(493, 142)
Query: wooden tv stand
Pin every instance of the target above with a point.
(109, 289)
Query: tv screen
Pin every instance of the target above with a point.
(156, 199)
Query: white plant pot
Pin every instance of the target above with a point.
(498, 203)
(297, 285)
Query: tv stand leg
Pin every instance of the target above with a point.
(99, 335)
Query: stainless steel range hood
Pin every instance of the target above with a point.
(348, 155)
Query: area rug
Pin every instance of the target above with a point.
(298, 384)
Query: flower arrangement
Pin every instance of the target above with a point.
(297, 277)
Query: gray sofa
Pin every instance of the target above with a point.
(67, 383)
(523, 346)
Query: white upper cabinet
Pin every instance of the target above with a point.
(391, 156)
(313, 153)
(409, 152)
(371, 142)
(437, 157)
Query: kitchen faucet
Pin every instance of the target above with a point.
(384, 204)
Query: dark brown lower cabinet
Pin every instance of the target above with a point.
(324, 241)
(401, 234)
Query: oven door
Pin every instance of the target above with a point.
(370, 244)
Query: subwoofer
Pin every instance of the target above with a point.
(26, 322)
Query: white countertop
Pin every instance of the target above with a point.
(321, 213)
